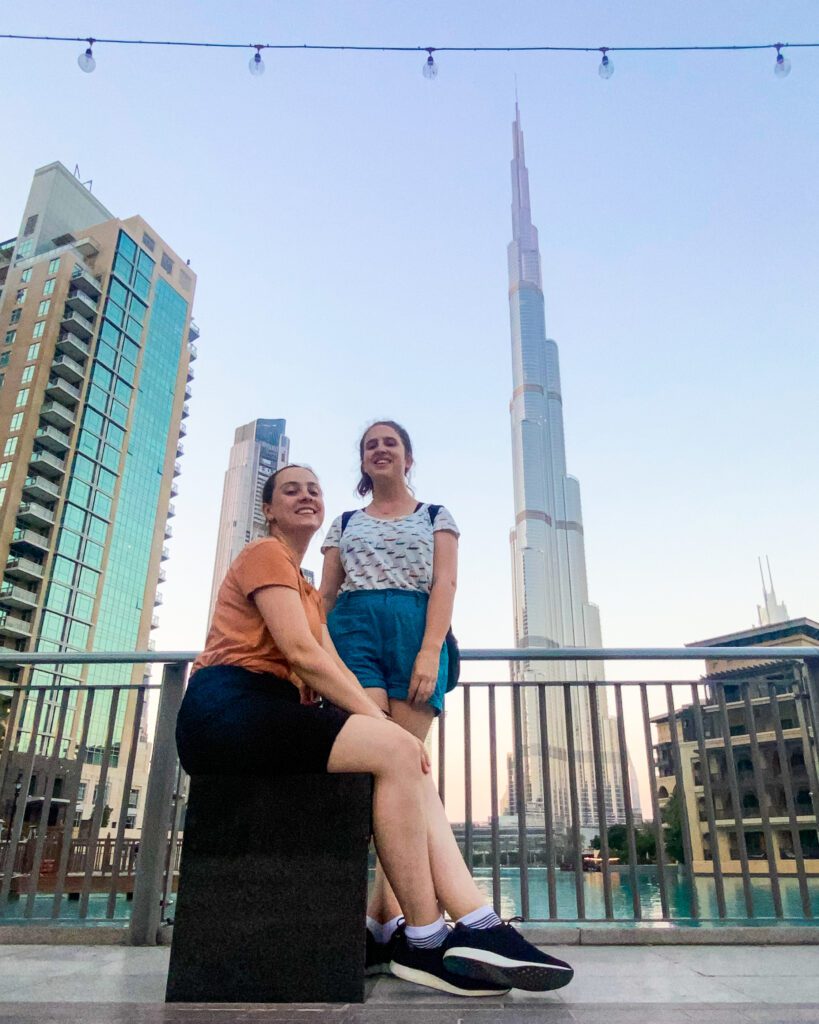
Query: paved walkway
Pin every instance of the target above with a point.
(612, 985)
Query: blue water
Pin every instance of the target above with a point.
(679, 903)
(510, 899)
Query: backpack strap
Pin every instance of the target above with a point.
(346, 517)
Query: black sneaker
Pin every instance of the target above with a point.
(426, 967)
(379, 954)
(502, 955)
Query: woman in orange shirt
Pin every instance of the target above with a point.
(251, 706)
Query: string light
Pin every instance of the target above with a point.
(606, 69)
(782, 68)
(256, 65)
(86, 59)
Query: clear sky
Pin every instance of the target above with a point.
(348, 223)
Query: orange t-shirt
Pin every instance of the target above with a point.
(238, 634)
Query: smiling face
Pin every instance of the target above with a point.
(296, 505)
(383, 453)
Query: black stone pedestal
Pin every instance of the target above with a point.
(272, 891)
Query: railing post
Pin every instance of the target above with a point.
(146, 911)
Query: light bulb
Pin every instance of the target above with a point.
(782, 68)
(256, 65)
(86, 60)
(430, 69)
(606, 69)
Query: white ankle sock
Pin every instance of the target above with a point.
(376, 929)
(427, 936)
(388, 927)
(483, 917)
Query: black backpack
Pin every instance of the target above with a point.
(452, 649)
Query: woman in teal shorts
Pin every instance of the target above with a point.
(390, 573)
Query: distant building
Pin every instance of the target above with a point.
(550, 590)
(259, 448)
(780, 699)
(95, 352)
(770, 611)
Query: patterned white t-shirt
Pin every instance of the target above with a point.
(388, 554)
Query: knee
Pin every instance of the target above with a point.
(405, 758)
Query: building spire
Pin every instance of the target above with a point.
(524, 249)
(770, 611)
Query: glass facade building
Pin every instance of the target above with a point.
(85, 493)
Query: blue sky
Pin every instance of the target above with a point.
(348, 223)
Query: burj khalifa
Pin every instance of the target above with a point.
(551, 602)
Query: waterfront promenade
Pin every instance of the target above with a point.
(612, 985)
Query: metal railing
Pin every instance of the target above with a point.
(726, 764)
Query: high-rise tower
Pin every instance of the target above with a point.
(259, 448)
(95, 351)
(552, 608)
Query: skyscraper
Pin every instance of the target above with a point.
(95, 351)
(259, 448)
(552, 608)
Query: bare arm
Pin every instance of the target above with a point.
(284, 616)
(439, 616)
(332, 576)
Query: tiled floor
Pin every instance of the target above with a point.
(612, 985)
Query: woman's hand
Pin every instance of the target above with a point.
(424, 676)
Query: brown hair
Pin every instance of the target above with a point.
(365, 484)
(270, 483)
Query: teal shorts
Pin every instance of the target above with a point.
(378, 634)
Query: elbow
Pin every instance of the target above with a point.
(303, 656)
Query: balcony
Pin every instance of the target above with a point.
(53, 439)
(75, 323)
(60, 388)
(171, 510)
(192, 351)
(155, 622)
(57, 415)
(177, 468)
(47, 463)
(35, 514)
(193, 332)
(191, 374)
(72, 345)
(174, 490)
(65, 366)
(185, 411)
(162, 576)
(157, 600)
(10, 625)
(168, 531)
(29, 540)
(23, 568)
(180, 449)
(85, 281)
(81, 302)
(166, 554)
(17, 597)
(188, 392)
(40, 487)
(183, 429)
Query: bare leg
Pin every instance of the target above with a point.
(383, 905)
(399, 807)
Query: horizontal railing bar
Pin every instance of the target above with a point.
(80, 687)
(637, 653)
(769, 654)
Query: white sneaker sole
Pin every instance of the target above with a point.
(484, 965)
(433, 981)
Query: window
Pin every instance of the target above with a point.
(77, 818)
(81, 792)
(31, 224)
(15, 316)
(22, 398)
(25, 277)
(54, 265)
(133, 799)
(4, 358)
(11, 446)
(28, 373)
(43, 308)
(147, 241)
(33, 351)
(2, 496)
(5, 471)
(167, 263)
(48, 287)
(21, 295)
(16, 421)
(39, 329)
(10, 336)
(25, 249)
